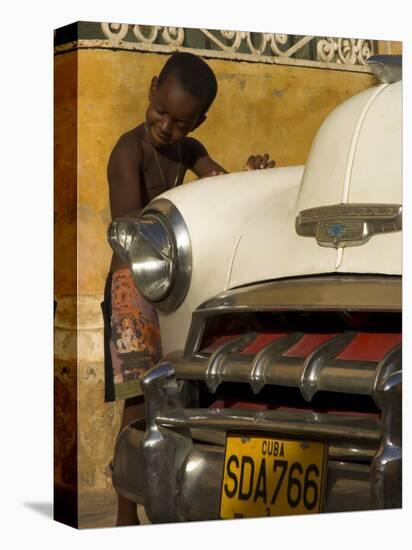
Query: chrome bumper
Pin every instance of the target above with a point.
(177, 479)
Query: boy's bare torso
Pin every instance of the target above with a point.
(158, 170)
(137, 172)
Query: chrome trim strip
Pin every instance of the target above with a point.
(299, 424)
(195, 336)
(316, 361)
(215, 364)
(268, 355)
(318, 293)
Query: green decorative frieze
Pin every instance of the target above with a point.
(263, 47)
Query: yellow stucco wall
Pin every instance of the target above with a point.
(65, 282)
(260, 107)
(65, 171)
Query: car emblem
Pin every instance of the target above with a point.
(342, 225)
(336, 230)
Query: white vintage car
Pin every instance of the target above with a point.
(279, 298)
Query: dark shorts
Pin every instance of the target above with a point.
(131, 337)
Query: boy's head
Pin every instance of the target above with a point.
(193, 74)
(179, 98)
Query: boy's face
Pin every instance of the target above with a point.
(172, 113)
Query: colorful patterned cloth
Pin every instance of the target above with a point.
(132, 336)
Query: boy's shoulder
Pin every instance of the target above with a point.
(131, 137)
(129, 146)
(191, 150)
(191, 142)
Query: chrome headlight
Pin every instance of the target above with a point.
(156, 246)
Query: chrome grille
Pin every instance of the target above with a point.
(320, 371)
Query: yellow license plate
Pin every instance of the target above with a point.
(270, 476)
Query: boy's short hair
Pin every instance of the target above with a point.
(195, 76)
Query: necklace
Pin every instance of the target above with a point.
(158, 162)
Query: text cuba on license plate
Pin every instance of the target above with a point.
(270, 476)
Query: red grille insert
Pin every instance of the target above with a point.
(263, 340)
(219, 342)
(307, 344)
(366, 346)
(369, 346)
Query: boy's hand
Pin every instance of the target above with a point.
(259, 162)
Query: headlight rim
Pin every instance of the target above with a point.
(169, 215)
(158, 219)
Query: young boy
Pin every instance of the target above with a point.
(145, 162)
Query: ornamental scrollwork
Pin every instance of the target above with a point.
(326, 49)
(365, 50)
(257, 49)
(253, 46)
(140, 33)
(281, 38)
(115, 31)
(235, 37)
(173, 35)
(347, 51)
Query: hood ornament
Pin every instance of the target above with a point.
(343, 225)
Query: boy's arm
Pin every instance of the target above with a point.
(196, 157)
(123, 174)
(205, 167)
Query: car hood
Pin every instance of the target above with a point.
(358, 165)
